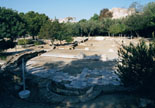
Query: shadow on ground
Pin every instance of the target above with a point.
(76, 66)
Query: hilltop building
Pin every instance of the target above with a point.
(122, 12)
(67, 19)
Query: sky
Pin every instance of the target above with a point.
(81, 9)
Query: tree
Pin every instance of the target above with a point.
(82, 26)
(105, 23)
(149, 14)
(46, 32)
(117, 28)
(35, 21)
(76, 29)
(12, 25)
(56, 31)
(90, 27)
(137, 6)
(95, 17)
(105, 13)
(136, 23)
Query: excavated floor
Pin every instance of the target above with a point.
(79, 72)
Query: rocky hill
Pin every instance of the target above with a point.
(121, 12)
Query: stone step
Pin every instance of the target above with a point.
(52, 97)
(63, 90)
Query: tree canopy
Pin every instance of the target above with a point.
(12, 25)
(35, 21)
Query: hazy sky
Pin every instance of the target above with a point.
(64, 8)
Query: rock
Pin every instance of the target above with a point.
(144, 102)
(121, 12)
(111, 50)
(90, 90)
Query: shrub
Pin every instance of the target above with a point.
(25, 41)
(3, 57)
(38, 43)
(136, 66)
(68, 39)
(6, 44)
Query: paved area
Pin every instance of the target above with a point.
(90, 63)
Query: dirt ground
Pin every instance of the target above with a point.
(102, 101)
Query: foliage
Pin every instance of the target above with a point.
(3, 57)
(16, 24)
(136, 23)
(6, 44)
(149, 13)
(47, 31)
(117, 28)
(56, 31)
(12, 25)
(105, 25)
(68, 39)
(35, 21)
(136, 65)
(137, 6)
(95, 17)
(38, 42)
(25, 41)
(105, 13)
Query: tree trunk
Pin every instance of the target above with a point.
(81, 32)
(153, 34)
(33, 37)
(60, 42)
(137, 34)
(52, 42)
(89, 34)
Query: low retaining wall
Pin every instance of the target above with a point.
(16, 60)
(11, 72)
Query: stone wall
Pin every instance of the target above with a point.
(16, 60)
(121, 12)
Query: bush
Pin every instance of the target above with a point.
(25, 41)
(68, 39)
(6, 44)
(136, 66)
(3, 57)
(38, 43)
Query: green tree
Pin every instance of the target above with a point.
(12, 25)
(46, 32)
(82, 26)
(90, 27)
(95, 17)
(117, 28)
(35, 21)
(136, 23)
(56, 31)
(149, 14)
(105, 23)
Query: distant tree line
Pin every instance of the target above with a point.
(14, 25)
